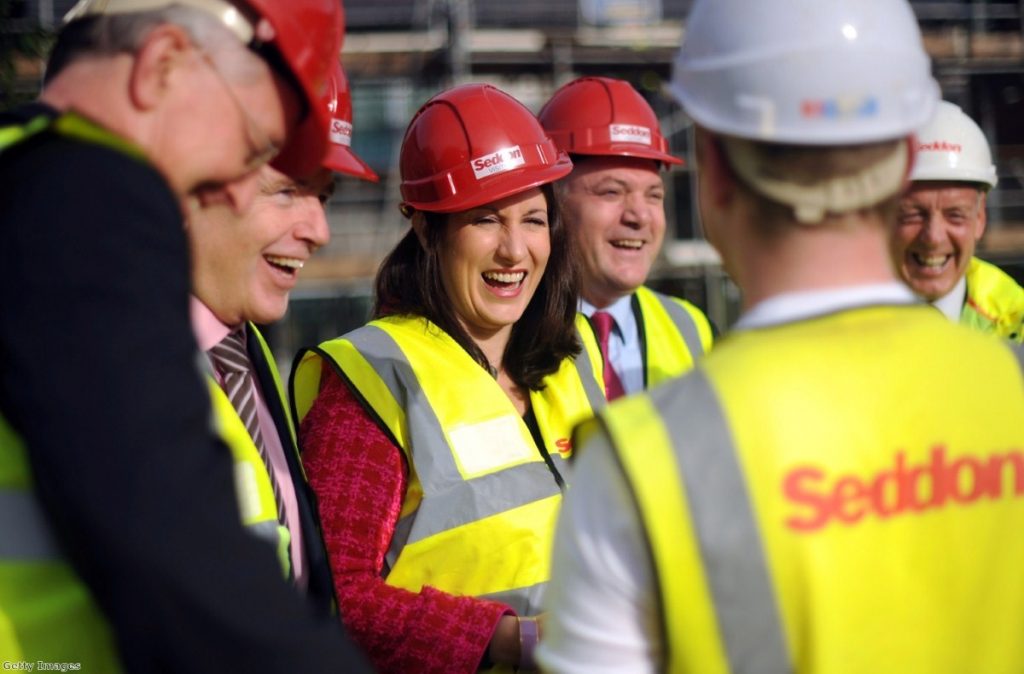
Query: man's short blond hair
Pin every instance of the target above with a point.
(813, 185)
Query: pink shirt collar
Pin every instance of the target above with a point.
(208, 329)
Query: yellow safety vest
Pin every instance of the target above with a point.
(252, 481)
(674, 334)
(851, 502)
(479, 511)
(46, 612)
(994, 302)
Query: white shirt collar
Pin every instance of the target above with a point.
(622, 311)
(952, 303)
(789, 307)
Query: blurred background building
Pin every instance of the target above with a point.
(398, 53)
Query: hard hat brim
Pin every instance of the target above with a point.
(505, 185)
(343, 160)
(633, 151)
(306, 146)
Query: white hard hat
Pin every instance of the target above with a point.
(952, 147)
(814, 72)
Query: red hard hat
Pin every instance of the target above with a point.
(309, 34)
(604, 116)
(340, 156)
(472, 145)
(307, 37)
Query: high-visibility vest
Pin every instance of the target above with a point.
(479, 511)
(252, 480)
(72, 125)
(841, 494)
(994, 302)
(673, 334)
(46, 612)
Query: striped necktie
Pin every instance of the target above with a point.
(604, 322)
(232, 362)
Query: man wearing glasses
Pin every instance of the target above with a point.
(120, 543)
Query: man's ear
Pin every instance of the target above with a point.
(911, 142)
(419, 225)
(982, 217)
(714, 169)
(165, 50)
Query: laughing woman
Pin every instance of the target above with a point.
(435, 436)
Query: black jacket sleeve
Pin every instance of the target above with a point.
(98, 374)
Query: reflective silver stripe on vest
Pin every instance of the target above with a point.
(480, 497)
(1018, 350)
(25, 534)
(724, 523)
(266, 531)
(684, 323)
(595, 396)
(522, 600)
(464, 501)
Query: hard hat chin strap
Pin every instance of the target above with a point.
(811, 202)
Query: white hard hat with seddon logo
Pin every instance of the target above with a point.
(841, 72)
(952, 147)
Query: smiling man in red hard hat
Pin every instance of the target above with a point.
(244, 267)
(614, 206)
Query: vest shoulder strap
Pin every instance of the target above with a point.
(680, 315)
(12, 135)
(70, 125)
(589, 363)
(709, 530)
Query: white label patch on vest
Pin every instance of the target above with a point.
(505, 159)
(247, 491)
(630, 133)
(489, 446)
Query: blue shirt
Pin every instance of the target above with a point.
(624, 349)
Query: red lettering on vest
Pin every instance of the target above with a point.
(564, 446)
(849, 498)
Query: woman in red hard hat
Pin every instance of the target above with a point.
(436, 435)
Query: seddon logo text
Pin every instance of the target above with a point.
(629, 133)
(505, 159)
(341, 132)
(904, 488)
(940, 146)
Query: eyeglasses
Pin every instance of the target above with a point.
(261, 148)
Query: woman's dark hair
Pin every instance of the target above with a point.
(409, 282)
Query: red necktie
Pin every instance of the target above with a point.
(603, 323)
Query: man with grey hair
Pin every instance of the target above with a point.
(803, 500)
(120, 537)
(940, 221)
